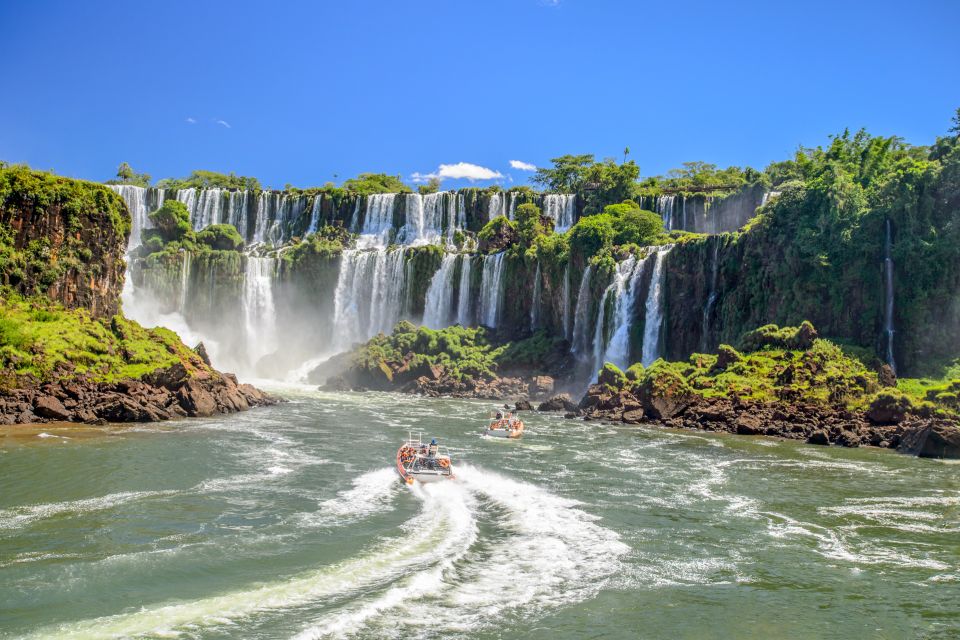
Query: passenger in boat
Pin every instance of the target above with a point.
(433, 448)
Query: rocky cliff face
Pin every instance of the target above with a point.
(62, 238)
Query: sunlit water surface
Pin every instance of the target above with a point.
(290, 522)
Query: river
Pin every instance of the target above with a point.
(289, 522)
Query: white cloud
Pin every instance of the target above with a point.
(522, 166)
(191, 120)
(461, 170)
(224, 123)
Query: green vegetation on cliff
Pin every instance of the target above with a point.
(40, 341)
(790, 364)
(200, 179)
(370, 183)
(460, 352)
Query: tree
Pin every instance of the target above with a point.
(221, 237)
(172, 220)
(125, 172)
(530, 223)
(126, 175)
(626, 152)
(591, 234)
(370, 183)
(568, 175)
(432, 186)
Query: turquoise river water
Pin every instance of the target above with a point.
(290, 522)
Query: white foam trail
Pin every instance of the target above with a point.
(552, 554)
(457, 507)
(370, 493)
(443, 529)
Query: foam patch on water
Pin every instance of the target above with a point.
(18, 517)
(369, 493)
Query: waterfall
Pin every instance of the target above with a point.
(888, 307)
(665, 209)
(355, 218)
(258, 309)
(424, 224)
(683, 205)
(495, 208)
(452, 215)
(535, 303)
(654, 312)
(439, 301)
(560, 207)
(369, 297)
(491, 289)
(626, 283)
(581, 316)
(184, 282)
(378, 221)
(512, 208)
(463, 304)
(711, 298)
(315, 214)
(138, 202)
(565, 302)
(461, 211)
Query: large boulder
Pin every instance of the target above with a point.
(51, 408)
(888, 407)
(196, 400)
(663, 392)
(561, 402)
(612, 377)
(940, 440)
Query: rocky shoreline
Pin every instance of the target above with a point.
(885, 427)
(814, 424)
(163, 395)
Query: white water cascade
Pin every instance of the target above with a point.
(654, 310)
(141, 204)
(438, 305)
(491, 289)
(378, 221)
(258, 308)
(315, 215)
(581, 317)
(888, 306)
(626, 283)
(562, 208)
(665, 209)
(369, 295)
(464, 317)
(495, 208)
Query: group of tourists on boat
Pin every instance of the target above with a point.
(417, 460)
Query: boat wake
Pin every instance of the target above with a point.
(478, 550)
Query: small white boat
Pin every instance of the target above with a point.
(504, 426)
(421, 462)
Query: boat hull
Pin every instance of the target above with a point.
(502, 433)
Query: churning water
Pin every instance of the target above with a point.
(289, 522)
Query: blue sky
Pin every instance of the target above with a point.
(304, 92)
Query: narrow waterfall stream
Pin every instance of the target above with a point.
(535, 303)
(258, 308)
(491, 289)
(464, 315)
(654, 310)
(439, 300)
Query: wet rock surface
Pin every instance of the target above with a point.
(162, 395)
(811, 423)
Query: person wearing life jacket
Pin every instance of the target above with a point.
(432, 451)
